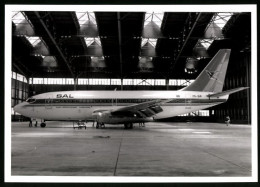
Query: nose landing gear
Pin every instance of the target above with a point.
(128, 125)
(43, 124)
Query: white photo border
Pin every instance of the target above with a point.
(130, 8)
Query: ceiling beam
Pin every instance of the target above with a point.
(187, 38)
(20, 70)
(120, 47)
(78, 29)
(20, 66)
(83, 43)
(54, 42)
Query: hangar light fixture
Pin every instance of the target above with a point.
(33, 40)
(23, 26)
(18, 17)
(90, 40)
(214, 29)
(205, 42)
(87, 19)
(84, 17)
(220, 19)
(99, 57)
(156, 17)
(152, 41)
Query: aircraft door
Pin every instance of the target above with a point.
(114, 102)
(187, 102)
(48, 103)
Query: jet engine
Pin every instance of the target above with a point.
(107, 117)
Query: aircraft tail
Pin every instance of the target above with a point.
(211, 79)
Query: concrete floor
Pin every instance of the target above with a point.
(159, 149)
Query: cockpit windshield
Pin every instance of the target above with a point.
(30, 100)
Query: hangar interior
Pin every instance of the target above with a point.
(59, 51)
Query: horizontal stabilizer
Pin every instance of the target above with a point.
(228, 92)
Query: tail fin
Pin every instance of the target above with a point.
(211, 79)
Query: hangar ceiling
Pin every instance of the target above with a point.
(123, 44)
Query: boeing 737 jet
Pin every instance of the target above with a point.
(128, 107)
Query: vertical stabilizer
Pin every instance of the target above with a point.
(212, 78)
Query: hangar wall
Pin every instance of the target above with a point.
(238, 106)
(19, 92)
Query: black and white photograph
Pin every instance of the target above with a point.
(130, 93)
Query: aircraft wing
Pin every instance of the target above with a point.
(145, 109)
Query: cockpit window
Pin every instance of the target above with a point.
(30, 100)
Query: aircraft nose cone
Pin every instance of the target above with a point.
(17, 108)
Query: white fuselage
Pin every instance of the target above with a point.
(80, 105)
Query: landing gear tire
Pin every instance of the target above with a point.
(128, 125)
(43, 125)
(102, 125)
(98, 125)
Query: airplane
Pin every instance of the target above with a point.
(128, 107)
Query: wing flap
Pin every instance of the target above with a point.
(137, 107)
(147, 112)
(156, 109)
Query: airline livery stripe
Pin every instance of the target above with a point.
(121, 101)
(118, 104)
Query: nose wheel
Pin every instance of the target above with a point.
(43, 125)
(128, 125)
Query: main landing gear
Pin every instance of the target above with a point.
(100, 125)
(43, 124)
(128, 125)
